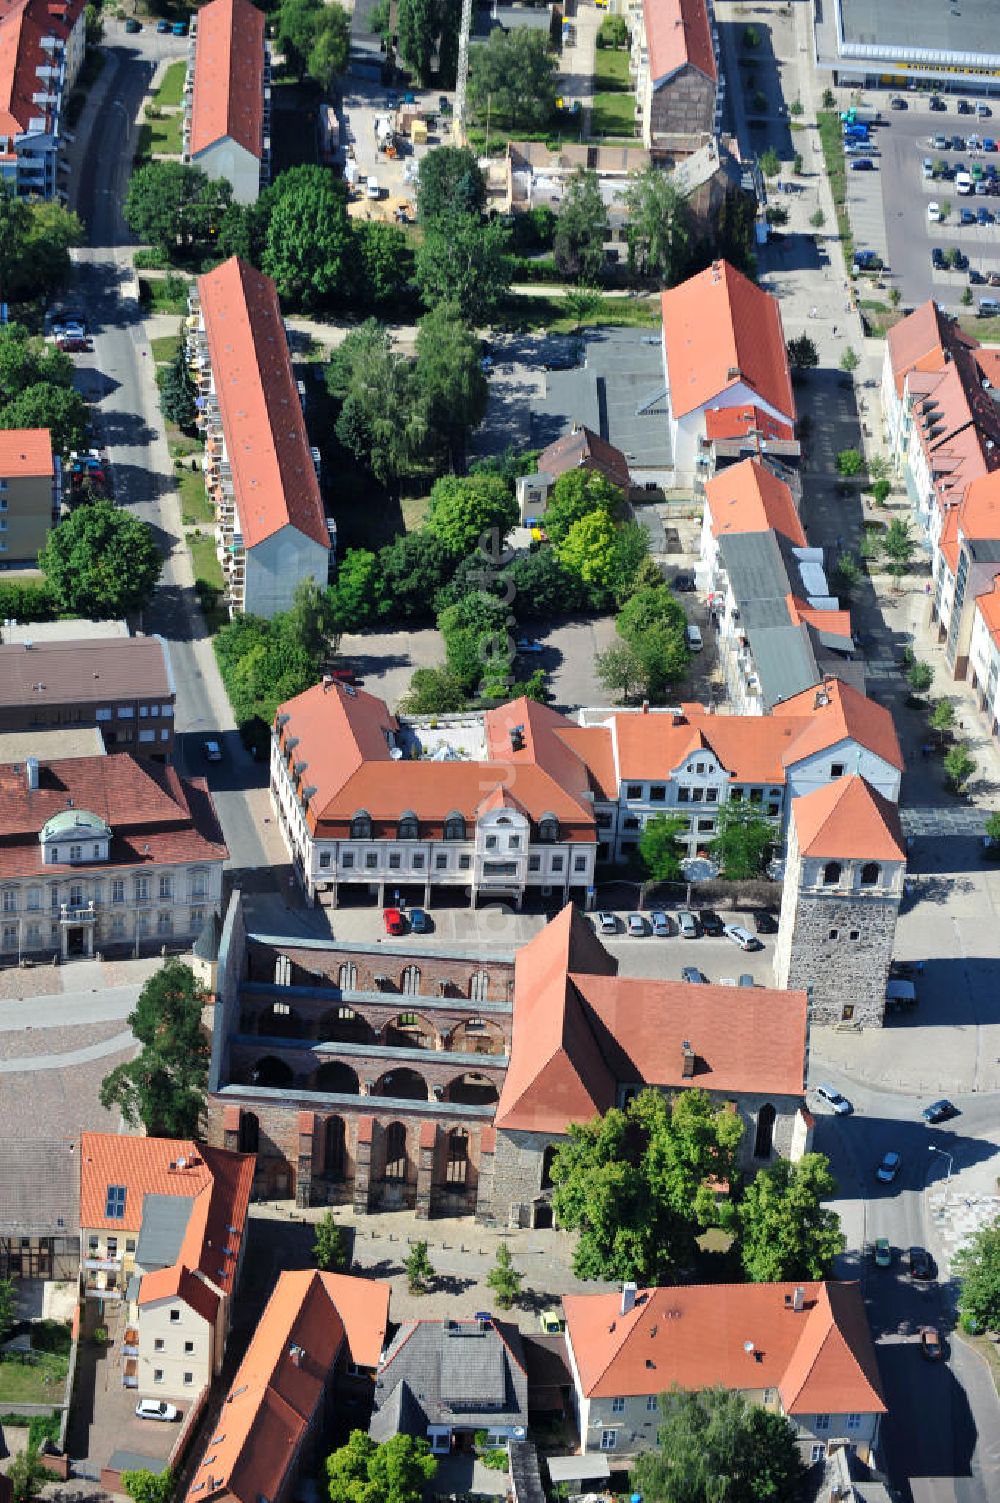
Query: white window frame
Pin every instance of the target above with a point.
(609, 1440)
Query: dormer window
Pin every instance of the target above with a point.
(361, 826)
(408, 827)
(548, 829)
(454, 827)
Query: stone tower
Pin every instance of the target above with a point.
(844, 870)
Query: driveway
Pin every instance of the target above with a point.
(103, 1418)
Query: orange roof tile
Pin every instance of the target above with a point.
(678, 32)
(652, 746)
(917, 342)
(178, 1282)
(228, 95)
(594, 746)
(740, 422)
(834, 623)
(846, 714)
(948, 541)
(274, 481)
(848, 819)
(988, 606)
(282, 1380)
(748, 497)
(695, 1335)
(979, 516)
(26, 452)
(720, 329)
(22, 27)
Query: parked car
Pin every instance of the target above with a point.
(976, 278)
(711, 923)
(898, 103)
(938, 262)
(394, 921)
(551, 1323)
(607, 923)
(863, 164)
(420, 921)
(934, 212)
(179, 29)
(930, 1343)
(529, 645)
(692, 973)
(920, 1264)
(940, 1111)
(683, 583)
(940, 143)
(764, 922)
(866, 260)
(959, 260)
(888, 1168)
(966, 216)
(688, 925)
(156, 1409)
(883, 1252)
(983, 216)
(212, 750)
(964, 107)
(636, 925)
(957, 143)
(989, 144)
(660, 923)
(833, 1097)
(131, 27)
(963, 182)
(162, 26)
(741, 936)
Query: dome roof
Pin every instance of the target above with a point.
(70, 822)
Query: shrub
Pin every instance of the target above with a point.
(43, 1427)
(850, 462)
(751, 37)
(100, 1336)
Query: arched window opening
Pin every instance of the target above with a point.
(764, 1141)
(458, 1157)
(395, 1151)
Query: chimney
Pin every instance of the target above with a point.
(629, 1291)
(798, 1299)
(687, 1064)
(31, 767)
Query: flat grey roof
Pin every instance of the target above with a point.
(136, 1461)
(573, 1468)
(969, 32)
(784, 660)
(619, 394)
(164, 1222)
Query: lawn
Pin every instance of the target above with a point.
(164, 135)
(164, 294)
(38, 1382)
(164, 347)
(832, 139)
(171, 90)
(613, 115)
(564, 316)
(611, 73)
(195, 505)
(208, 580)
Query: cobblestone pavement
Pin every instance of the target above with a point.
(59, 1102)
(55, 1042)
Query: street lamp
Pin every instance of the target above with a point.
(931, 1148)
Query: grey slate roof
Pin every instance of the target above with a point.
(164, 1222)
(468, 1374)
(623, 374)
(39, 1187)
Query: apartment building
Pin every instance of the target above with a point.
(100, 853)
(984, 655)
(371, 803)
(723, 347)
(227, 97)
(261, 474)
(801, 1350)
(162, 1234)
(679, 84)
(122, 685)
(30, 494)
(41, 50)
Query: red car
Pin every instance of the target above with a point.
(394, 921)
(73, 344)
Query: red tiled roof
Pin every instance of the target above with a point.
(178, 1282)
(22, 27)
(586, 449)
(678, 32)
(26, 452)
(739, 422)
(154, 815)
(848, 819)
(719, 330)
(988, 606)
(917, 342)
(228, 95)
(274, 481)
(847, 714)
(979, 516)
(282, 1379)
(821, 1358)
(580, 1030)
(748, 497)
(832, 623)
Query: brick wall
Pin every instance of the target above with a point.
(440, 974)
(683, 105)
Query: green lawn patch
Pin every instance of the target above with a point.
(165, 134)
(832, 141)
(40, 1381)
(171, 90)
(164, 294)
(987, 330)
(559, 316)
(611, 72)
(195, 505)
(613, 115)
(164, 348)
(208, 580)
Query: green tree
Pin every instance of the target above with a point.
(576, 494)
(977, 1266)
(785, 1230)
(149, 1487)
(295, 31)
(93, 26)
(307, 620)
(661, 849)
(638, 1185)
(504, 1279)
(354, 597)
(541, 588)
(897, 548)
(850, 462)
(589, 550)
(35, 242)
(163, 1088)
(7, 1306)
(879, 467)
(465, 263)
(920, 676)
(817, 219)
(653, 623)
(101, 562)
(172, 204)
(802, 353)
(417, 27)
(744, 840)
(382, 418)
(942, 717)
(849, 361)
(513, 76)
(478, 647)
(309, 245)
(848, 572)
(770, 162)
(958, 768)
(621, 670)
(395, 1471)
(412, 569)
(631, 566)
(450, 380)
(28, 1475)
(433, 691)
(449, 181)
(15, 218)
(613, 32)
(581, 228)
(463, 508)
(330, 45)
(991, 829)
(329, 1246)
(419, 1269)
(178, 393)
(659, 226)
(61, 409)
(384, 258)
(715, 1446)
(880, 491)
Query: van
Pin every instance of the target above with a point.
(688, 925)
(692, 633)
(989, 307)
(963, 182)
(928, 167)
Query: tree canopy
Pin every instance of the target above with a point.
(101, 562)
(577, 493)
(661, 849)
(464, 262)
(785, 1231)
(449, 181)
(659, 226)
(395, 1471)
(513, 76)
(35, 241)
(309, 247)
(163, 1088)
(172, 204)
(450, 379)
(653, 625)
(385, 260)
(715, 1446)
(149, 1487)
(314, 38)
(463, 508)
(638, 1184)
(581, 228)
(422, 26)
(744, 840)
(977, 1266)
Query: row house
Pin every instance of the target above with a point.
(964, 565)
(261, 474)
(371, 804)
(679, 83)
(101, 853)
(804, 1351)
(163, 1226)
(691, 761)
(984, 655)
(41, 50)
(227, 97)
(30, 494)
(723, 347)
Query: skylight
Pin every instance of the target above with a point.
(114, 1208)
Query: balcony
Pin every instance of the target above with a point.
(77, 913)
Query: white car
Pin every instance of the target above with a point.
(832, 1097)
(660, 923)
(636, 924)
(156, 1409)
(934, 212)
(742, 937)
(607, 923)
(963, 183)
